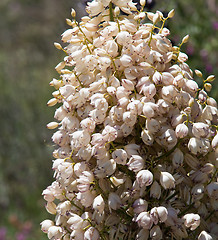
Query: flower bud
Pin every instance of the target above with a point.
(143, 234)
(52, 102)
(52, 125)
(198, 73)
(140, 205)
(114, 201)
(155, 190)
(211, 78)
(156, 233)
(212, 189)
(58, 46)
(171, 13)
(73, 13)
(116, 11)
(167, 180)
(192, 161)
(185, 39)
(214, 142)
(197, 192)
(205, 236)
(150, 16)
(51, 208)
(177, 158)
(142, 2)
(208, 87)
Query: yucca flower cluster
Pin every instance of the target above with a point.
(137, 136)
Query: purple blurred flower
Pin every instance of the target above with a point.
(215, 25)
(3, 232)
(190, 50)
(204, 54)
(21, 236)
(209, 68)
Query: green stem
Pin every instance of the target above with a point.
(111, 12)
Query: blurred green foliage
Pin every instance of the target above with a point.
(27, 61)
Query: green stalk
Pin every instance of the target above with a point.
(111, 12)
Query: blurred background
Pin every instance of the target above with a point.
(27, 59)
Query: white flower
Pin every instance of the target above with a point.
(109, 133)
(80, 138)
(181, 130)
(99, 204)
(144, 178)
(75, 222)
(46, 224)
(91, 234)
(94, 8)
(192, 220)
(197, 145)
(144, 220)
(123, 37)
(120, 156)
(55, 232)
(158, 214)
(200, 129)
(152, 125)
(167, 180)
(126, 60)
(147, 137)
(136, 163)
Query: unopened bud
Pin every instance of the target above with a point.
(142, 2)
(56, 94)
(214, 142)
(69, 22)
(58, 45)
(51, 208)
(171, 13)
(52, 125)
(185, 39)
(208, 87)
(211, 78)
(60, 66)
(116, 11)
(150, 16)
(52, 102)
(73, 13)
(198, 73)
